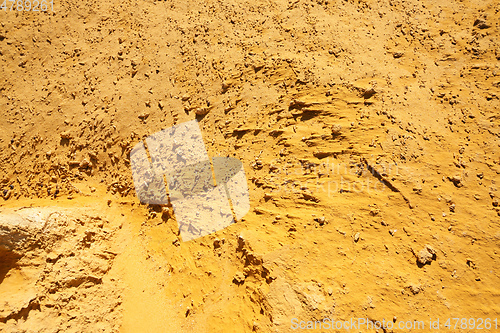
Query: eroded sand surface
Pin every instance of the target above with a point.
(368, 131)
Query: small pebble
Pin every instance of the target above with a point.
(321, 220)
(426, 255)
(143, 115)
(239, 278)
(201, 111)
(397, 54)
(217, 243)
(66, 135)
(481, 24)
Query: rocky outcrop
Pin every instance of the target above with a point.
(54, 267)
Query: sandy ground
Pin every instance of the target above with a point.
(368, 131)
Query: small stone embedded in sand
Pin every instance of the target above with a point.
(415, 289)
(143, 115)
(201, 111)
(481, 24)
(336, 129)
(397, 54)
(217, 243)
(85, 163)
(456, 180)
(185, 97)
(356, 237)
(66, 135)
(426, 255)
(321, 220)
(239, 278)
(368, 93)
(52, 257)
